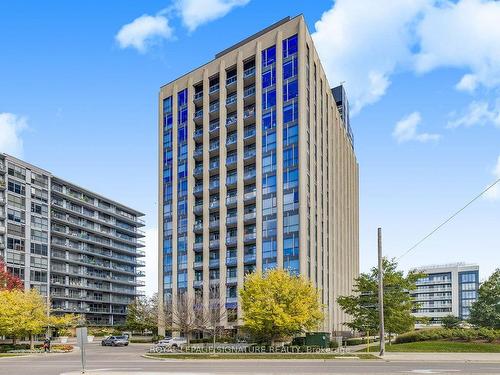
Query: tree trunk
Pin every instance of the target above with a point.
(32, 342)
(14, 340)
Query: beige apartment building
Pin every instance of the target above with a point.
(257, 170)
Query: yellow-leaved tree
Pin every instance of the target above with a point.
(279, 305)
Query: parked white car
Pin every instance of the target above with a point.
(174, 342)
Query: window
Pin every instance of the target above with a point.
(39, 276)
(15, 201)
(290, 46)
(39, 194)
(16, 230)
(268, 183)
(39, 249)
(290, 112)
(15, 244)
(290, 157)
(39, 223)
(268, 99)
(269, 141)
(39, 236)
(15, 258)
(167, 105)
(291, 178)
(269, 56)
(268, 78)
(269, 120)
(14, 215)
(290, 134)
(290, 90)
(17, 187)
(182, 98)
(16, 171)
(40, 209)
(39, 262)
(290, 68)
(269, 163)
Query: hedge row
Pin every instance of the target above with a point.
(463, 334)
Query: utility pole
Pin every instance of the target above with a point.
(381, 293)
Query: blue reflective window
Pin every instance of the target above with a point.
(290, 90)
(182, 98)
(268, 99)
(290, 46)
(290, 157)
(269, 163)
(269, 56)
(290, 68)
(290, 134)
(182, 116)
(167, 105)
(290, 112)
(291, 178)
(182, 170)
(167, 139)
(291, 247)
(182, 154)
(269, 141)
(268, 78)
(167, 121)
(269, 248)
(268, 183)
(269, 120)
(167, 174)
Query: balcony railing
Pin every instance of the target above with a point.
(250, 195)
(198, 113)
(232, 199)
(231, 80)
(249, 132)
(198, 95)
(231, 261)
(213, 204)
(198, 133)
(213, 107)
(232, 219)
(231, 159)
(250, 236)
(231, 99)
(214, 126)
(198, 169)
(231, 280)
(249, 72)
(231, 240)
(249, 174)
(231, 139)
(231, 120)
(213, 88)
(249, 91)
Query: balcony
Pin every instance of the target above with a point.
(232, 200)
(198, 227)
(198, 133)
(213, 89)
(213, 204)
(198, 209)
(214, 224)
(231, 80)
(231, 261)
(231, 180)
(231, 140)
(198, 189)
(231, 161)
(231, 101)
(198, 246)
(213, 263)
(249, 114)
(214, 244)
(232, 280)
(214, 146)
(198, 264)
(197, 283)
(214, 128)
(249, 258)
(250, 175)
(231, 300)
(231, 240)
(198, 96)
(250, 237)
(198, 115)
(214, 185)
(250, 216)
(231, 120)
(198, 153)
(249, 154)
(250, 195)
(231, 220)
(249, 72)
(249, 133)
(198, 170)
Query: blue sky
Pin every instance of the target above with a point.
(79, 84)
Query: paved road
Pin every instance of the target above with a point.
(128, 360)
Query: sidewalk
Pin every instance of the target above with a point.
(442, 357)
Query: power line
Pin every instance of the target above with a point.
(449, 219)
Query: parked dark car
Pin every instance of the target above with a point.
(115, 341)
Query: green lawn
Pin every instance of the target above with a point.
(261, 356)
(440, 347)
(10, 355)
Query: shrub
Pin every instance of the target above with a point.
(462, 334)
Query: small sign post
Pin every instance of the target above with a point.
(81, 339)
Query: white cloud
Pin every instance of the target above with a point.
(365, 42)
(406, 130)
(143, 32)
(465, 35)
(151, 268)
(494, 192)
(197, 12)
(477, 113)
(11, 127)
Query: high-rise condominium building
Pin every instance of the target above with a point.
(448, 289)
(257, 171)
(79, 249)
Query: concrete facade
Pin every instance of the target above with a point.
(79, 249)
(448, 289)
(257, 170)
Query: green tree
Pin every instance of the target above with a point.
(142, 315)
(485, 312)
(450, 321)
(362, 305)
(276, 305)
